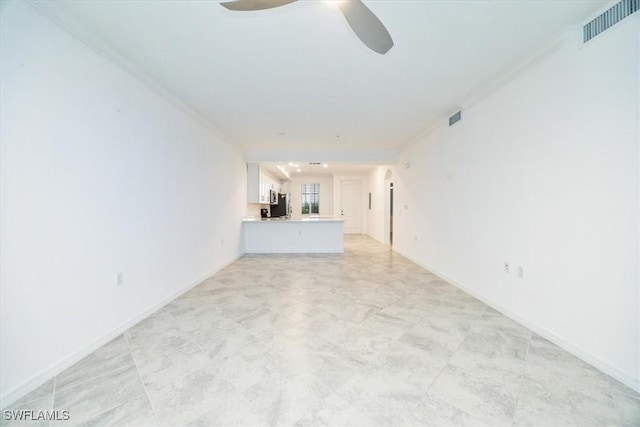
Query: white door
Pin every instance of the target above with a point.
(350, 206)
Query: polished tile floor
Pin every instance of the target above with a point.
(360, 339)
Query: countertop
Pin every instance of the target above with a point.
(278, 220)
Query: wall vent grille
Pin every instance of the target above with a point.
(455, 118)
(609, 18)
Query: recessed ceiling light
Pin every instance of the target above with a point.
(295, 166)
(335, 3)
(325, 165)
(290, 163)
(299, 170)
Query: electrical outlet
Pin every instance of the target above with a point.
(222, 242)
(415, 239)
(507, 268)
(520, 272)
(119, 279)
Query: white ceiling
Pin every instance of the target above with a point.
(289, 170)
(296, 77)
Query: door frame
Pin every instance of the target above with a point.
(338, 180)
(388, 217)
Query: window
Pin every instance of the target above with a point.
(310, 199)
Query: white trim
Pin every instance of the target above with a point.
(296, 252)
(82, 34)
(47, 374)
(511, 72)
(361, 212)
(383, 243)
(624, 377)
(361, 156)
(338, 178)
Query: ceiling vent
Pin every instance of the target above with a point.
(314, 163)
(455, 118)
(609, 18)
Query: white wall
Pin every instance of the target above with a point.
(376, 215)
(326, 193)
(99, 175)
(542, 173)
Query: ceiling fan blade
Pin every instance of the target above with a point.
(249, 5)
(366, 25)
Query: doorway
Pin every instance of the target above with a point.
(351, 206)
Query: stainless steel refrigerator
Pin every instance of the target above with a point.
(282, 208)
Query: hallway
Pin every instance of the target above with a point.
(361, 338)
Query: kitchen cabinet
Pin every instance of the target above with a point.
(270, 184)
(309, 235)
(259, 184)
(254, 184)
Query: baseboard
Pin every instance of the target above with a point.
(379, 241)
(46, 374)
(624, 377)
(298, 252)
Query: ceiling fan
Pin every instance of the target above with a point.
(362, 21)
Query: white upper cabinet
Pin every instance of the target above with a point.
(259, 184)
(254, 184)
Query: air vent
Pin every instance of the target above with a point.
(314, 163)
(455, 118)
(609, 18)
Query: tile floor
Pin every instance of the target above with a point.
(360, 339)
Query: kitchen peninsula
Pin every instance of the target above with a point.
(306, 235)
